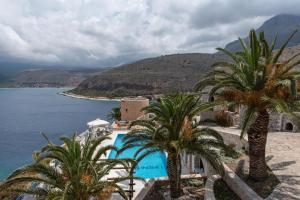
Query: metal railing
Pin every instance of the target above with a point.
(130, 191)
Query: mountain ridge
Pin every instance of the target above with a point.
(283, 25)
(144, 77)
(150, 76)
(39, 77)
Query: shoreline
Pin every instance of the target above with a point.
(76, 96)
(25, 88)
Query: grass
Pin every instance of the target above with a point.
(223, 192)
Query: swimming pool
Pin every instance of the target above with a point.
(151, 166)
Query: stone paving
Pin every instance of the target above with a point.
(283, 157)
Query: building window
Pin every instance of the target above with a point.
(198, 162)
(211, 99)
(289, 126)
(186, 158)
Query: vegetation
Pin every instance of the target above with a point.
(171, 130)
(159, 75)
(115, 114)
(223, 192)
(46, 77)
(77, 174)
(257, 80)
(223, 118)
(193, 188)
(263, 187)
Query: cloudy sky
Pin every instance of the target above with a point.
(111, 32)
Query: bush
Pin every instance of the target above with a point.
(224, 119)
(223, 192)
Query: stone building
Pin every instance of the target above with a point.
(131, 108)
(278, 121)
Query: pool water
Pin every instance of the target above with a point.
(151, 166)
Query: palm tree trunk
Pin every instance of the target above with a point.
(257, 138)
(174, 172)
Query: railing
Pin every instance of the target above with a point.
(131, 184)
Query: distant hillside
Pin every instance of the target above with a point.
(178, 72)
(283, 25)
(52, 77)
(289, 52)
(164, 74)
(4, 78)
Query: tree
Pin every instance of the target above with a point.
(258, 81)
(115, 114)
(77, 172)
(171, 130)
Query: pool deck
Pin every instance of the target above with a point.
(139, 185)
(282, 155)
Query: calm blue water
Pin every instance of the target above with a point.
(25, 113)
(151, 166)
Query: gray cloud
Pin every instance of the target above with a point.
(110, 32)
(211, 13)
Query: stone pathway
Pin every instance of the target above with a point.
(283, 157)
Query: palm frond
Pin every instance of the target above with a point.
(248, 117)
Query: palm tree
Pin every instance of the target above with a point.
(171, 130)
(115, 114)
(258, 81)
(77, 174)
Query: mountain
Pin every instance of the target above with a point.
(160, 75)
(4, 79)
(14, 74)
(283, 25)
(178, 72)
(164, 74)
(52, 77)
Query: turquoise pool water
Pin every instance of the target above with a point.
(151, 166)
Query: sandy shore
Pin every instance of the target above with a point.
(68, 94)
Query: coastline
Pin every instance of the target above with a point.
(76, 96)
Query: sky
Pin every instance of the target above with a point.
(101, 33)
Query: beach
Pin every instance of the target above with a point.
(68, 94)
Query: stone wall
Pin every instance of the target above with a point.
(278, 122)
(286, 122)
(238, 186)
(209, 187)
(131, 108)
(275, 122)
(209, 115)
(234, 140)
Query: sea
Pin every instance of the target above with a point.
(26, 113)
